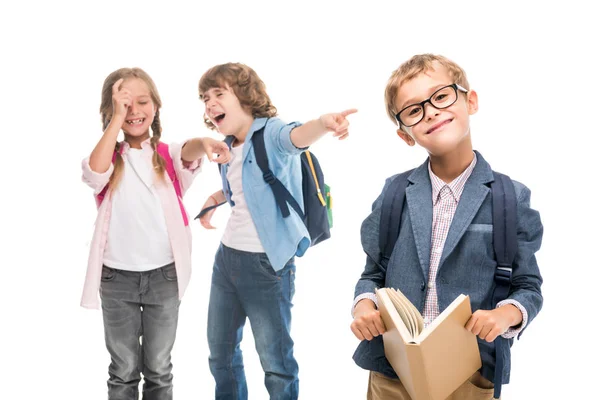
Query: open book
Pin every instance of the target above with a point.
(431, 362)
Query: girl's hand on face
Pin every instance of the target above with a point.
(121, 101)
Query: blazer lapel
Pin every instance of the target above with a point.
(473, 195)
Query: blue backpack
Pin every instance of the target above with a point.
(504, 210)
(317, 215)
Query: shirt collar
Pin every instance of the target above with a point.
(456, 186)
(146, 144)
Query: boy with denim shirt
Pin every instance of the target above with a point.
(253, 273)
(445, 243)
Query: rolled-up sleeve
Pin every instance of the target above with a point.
(281, 134)
(186, 171)
(93, 179)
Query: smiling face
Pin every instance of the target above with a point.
(224, 111)
(440, 131)
(142, 110)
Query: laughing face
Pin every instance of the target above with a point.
(440, 131)
(223, 109)
(140, 113)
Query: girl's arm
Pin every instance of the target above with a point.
(196, 148)
(101, 157)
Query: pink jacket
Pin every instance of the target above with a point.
(179, 234)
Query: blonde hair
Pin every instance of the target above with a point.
(247, 87)
(106, 112)
(411, 69)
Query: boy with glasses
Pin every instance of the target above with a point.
(445, 243)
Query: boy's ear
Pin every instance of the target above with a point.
(406, 137)
(472, 102)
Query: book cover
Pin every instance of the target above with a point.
(431, 362)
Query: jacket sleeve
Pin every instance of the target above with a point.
(526, 279)
(373, 276)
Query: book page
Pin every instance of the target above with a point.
(403, 311)
(391, 318)
(414, 314)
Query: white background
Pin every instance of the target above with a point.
(532, 64)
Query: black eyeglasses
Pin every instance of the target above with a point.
(440, 99)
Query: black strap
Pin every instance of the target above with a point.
(282, 196)
(207, 209)
(391, 215)
(504, 211)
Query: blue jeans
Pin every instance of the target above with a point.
(245, 285)
(140, 311)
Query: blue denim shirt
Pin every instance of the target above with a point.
(282, 238)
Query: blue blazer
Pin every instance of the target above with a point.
(467, 264)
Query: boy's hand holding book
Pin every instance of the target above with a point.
(367, 321)
(488, 324)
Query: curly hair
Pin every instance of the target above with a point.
(246, 85)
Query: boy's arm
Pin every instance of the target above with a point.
(524, 302)
(373, 275)
(305, 135)
(526, 279)
(367, 322)
(213, 201)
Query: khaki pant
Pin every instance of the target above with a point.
(384, 388)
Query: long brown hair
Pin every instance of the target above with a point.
(247, 86)
(106, 112)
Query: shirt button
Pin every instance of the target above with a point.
(430, 285)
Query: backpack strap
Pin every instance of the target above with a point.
(504, 210)
(314, 175)
(163, 151)
(282, 196)
(391, 215)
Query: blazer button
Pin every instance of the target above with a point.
(422, 285)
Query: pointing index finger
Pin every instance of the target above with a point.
(348, 112)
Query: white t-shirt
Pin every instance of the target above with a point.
(240, 233)
(137, 235)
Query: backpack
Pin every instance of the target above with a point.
(163, 151)
(504, 219)
(316, 195)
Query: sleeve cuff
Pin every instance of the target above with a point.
(514, 330)
(370, 296)
(95, 180)
(285, 138)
